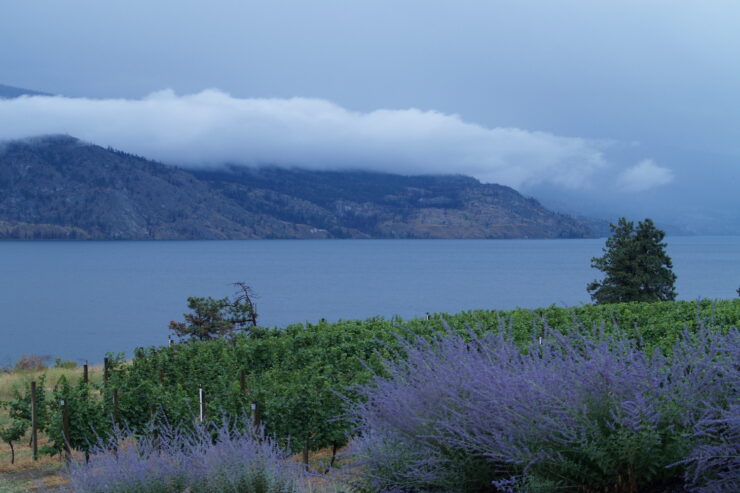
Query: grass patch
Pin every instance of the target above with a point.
(27, 474)
(16, 379)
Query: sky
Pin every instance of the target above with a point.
(595, 108)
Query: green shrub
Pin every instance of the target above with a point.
(301, 377)
(32, 362)
(66, 365)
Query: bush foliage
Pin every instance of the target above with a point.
(587, 412)
(303, 378)
(207, 459)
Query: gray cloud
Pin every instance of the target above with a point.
(644, 176)
(212, 128)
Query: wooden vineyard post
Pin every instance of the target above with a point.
(34, 422)
(161, 377)
(155, 428)
(306, 444)
(106, 371)
(305, 454)
(65, 431)
(242, 382)
(116, 417)
(85, 376)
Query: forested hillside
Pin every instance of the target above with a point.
(59, 187)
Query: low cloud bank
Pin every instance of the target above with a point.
(212, 128)
(644, 176)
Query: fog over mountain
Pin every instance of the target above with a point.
(593, 108)
(212, 128)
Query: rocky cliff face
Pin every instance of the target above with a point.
(59, 187)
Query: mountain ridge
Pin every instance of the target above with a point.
(10, 92)
(59, 187)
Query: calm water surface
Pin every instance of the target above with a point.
(78, 300)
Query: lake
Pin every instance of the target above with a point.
(78, 300)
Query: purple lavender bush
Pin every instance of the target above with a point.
(714, 463)
(713, 387)
(176, 459)
(401, 446)
(579, 412)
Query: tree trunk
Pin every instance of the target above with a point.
(333, 457)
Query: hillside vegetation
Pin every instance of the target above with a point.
(61, 188)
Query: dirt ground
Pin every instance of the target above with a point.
(32, 477)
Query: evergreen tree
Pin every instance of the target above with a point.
(635, 265)
(213, 318)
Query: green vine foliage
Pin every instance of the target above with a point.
(87, 417)
(301, 377)
(12, 433)
(19, 409)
